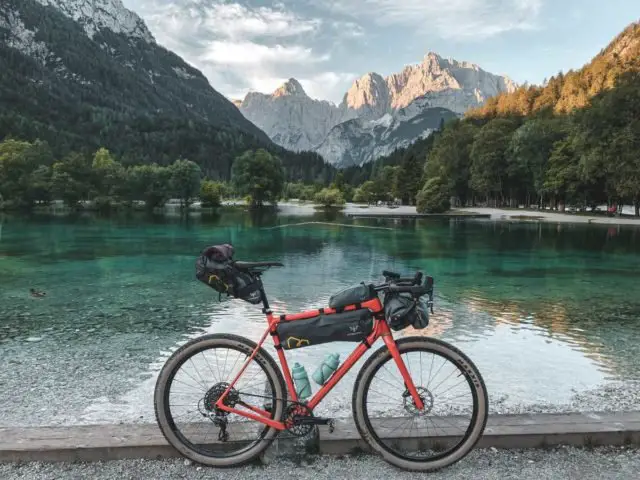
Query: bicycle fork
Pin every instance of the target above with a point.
(408, 381)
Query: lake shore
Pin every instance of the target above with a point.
(352, 209)
(549, 216)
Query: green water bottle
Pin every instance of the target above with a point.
(301, 380)
(326, 368)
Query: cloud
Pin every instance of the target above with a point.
(249, 54)
(450, 19)
(241, 48)
(348, 29)
(238, 21)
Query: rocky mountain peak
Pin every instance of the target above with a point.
(95, 15)
(298, 122)
(368, 96)
(291, 87)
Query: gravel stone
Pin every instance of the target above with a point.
(560, 463)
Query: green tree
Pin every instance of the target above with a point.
(259, 175)
(328, 197)
(108, 178)
(71, 179)
(385, 182)
(40, 185)
(18, 162)
(488, 158)
(150, 183)
(450, 160)
(185, 181)
(407, 178)
(211, 193)
(563, 178)
(434, 196)
(366, 193)
(528, 156)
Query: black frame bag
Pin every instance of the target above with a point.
(403, 309)
(349, 326)
(215, 268)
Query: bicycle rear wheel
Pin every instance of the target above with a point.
(421, 440)
(191, 382)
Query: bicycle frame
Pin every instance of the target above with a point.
(380, 330)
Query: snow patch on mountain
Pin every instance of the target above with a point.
(298, 122)
(358, 141)
(23, 39)
(95, 15)
(182, 73)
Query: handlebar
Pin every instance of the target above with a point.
(396, 278)
(397, 284)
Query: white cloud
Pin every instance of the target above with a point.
(241, 48)
(250, 54)
(448, 18)
(237, 21)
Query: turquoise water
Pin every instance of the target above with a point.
(549, 313)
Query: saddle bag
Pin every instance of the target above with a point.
(350, 326)
(215, 268)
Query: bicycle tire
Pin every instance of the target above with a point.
(172, 365)
(474, 379)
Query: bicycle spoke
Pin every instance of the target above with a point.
(401, 426)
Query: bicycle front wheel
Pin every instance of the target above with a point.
(454, 397)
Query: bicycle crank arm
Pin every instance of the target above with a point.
(303, 420)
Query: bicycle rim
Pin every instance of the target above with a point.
(436, 437)
(206, 440)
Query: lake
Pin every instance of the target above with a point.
(549, 313)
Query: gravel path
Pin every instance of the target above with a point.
(562, 463)
(549, 216)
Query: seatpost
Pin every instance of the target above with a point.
(263, 296)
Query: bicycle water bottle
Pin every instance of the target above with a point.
(326, 368)
(301, 380)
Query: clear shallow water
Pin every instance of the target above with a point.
(549, 313)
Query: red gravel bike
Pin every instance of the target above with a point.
(221, 399)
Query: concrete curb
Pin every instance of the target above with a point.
(114, 442)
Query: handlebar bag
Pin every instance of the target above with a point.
(352, 295)
(350, 326)
(403, 309)
(215, 268)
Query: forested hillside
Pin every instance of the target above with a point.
(563, 93)
(574, 141)
(130, 95)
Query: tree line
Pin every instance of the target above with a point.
(573, 141)
(30, 175)
(586, 158)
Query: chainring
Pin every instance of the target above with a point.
(292, 413)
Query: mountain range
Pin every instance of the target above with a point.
(377, 114)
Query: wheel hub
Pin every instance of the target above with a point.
(214, 394)
(427, 400)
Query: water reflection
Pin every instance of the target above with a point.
(121, 294)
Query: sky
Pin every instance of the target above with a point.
(256, 45)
